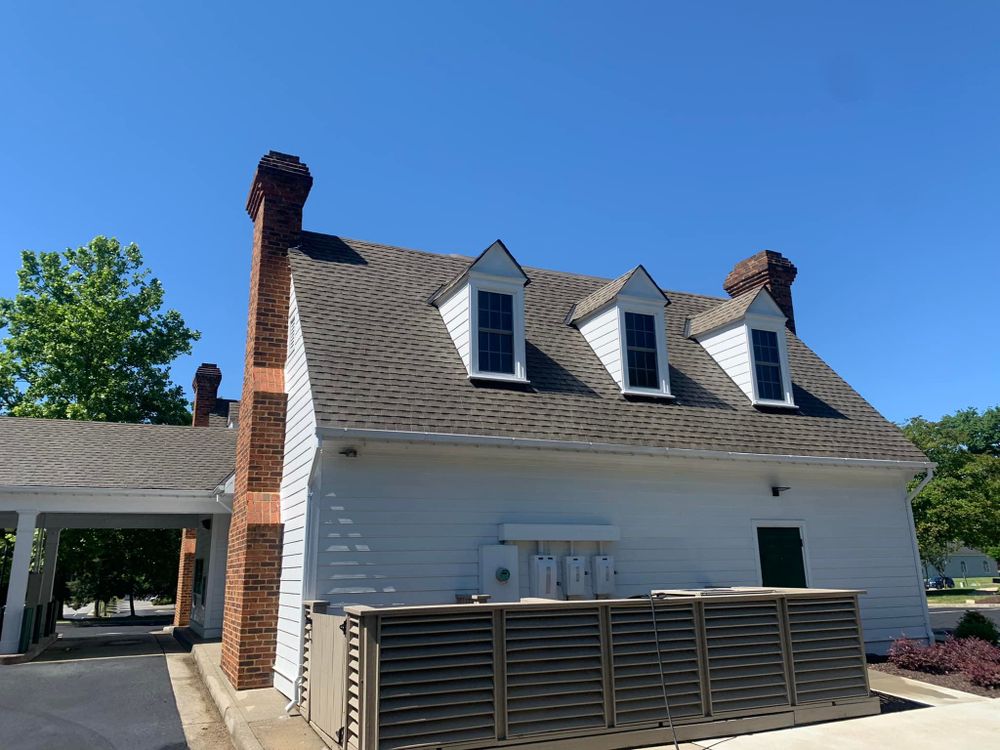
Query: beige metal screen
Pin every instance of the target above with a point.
(540, 673)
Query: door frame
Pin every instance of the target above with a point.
(787, 523)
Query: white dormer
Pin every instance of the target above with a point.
(624, 323)
(483, 310)
(746, 338)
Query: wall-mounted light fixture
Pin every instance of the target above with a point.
(349, 452)
(776, 491)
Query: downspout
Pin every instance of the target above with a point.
(916, 547)
(311, 528)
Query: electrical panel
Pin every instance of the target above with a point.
(603, 579)
(574, 576)
(498, 572)
(544, 577)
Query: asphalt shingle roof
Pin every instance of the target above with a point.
(380, 358)
(68, 453)
(722, 313)
(599, 298)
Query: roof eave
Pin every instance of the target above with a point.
(615, 448)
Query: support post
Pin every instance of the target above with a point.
(185, 578)
(18, 586)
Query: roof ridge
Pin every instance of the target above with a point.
(57, 420)
(462, 257)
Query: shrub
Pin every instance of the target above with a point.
(985, 674)
(907, 654)
(976, 625)
(967, 651)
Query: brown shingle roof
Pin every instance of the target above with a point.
(722, 313)
(599, 298)
(380, 358)
(68, 453)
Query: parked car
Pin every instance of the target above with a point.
(940, 582)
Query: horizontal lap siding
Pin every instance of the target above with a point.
(729, 348)
(601, 332)
(455, 313)
(300, 445)
(405, 527)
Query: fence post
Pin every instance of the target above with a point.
(311, 607)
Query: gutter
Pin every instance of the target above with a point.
(613, 448)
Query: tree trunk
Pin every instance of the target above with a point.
(131, 604)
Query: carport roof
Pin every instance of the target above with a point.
(67, 453)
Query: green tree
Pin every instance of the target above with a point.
(97, 565)
(86, 339)
(961, 505)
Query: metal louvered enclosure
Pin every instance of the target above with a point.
(584, 674)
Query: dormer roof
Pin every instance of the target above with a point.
(495, 260)
(636, 280)
(730, 311)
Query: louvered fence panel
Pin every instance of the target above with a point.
(352, 711)
(827, 649)
(554, 671)
(745, 657)
(435, 680)
(638, 682)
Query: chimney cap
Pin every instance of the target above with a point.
(279, 175)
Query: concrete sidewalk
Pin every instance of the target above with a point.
(256, 719)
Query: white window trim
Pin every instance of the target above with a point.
(500, 285)
(762, 323)
(784, 523)
(642, 307)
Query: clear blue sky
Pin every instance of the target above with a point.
(862, 140)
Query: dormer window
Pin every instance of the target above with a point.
(483, 310)
(767, 365)
(640, 343)
(746, 338)
(625, 324)
(496, 332)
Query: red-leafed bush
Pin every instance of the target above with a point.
(907, 654)
(985, 674)
(964, 652)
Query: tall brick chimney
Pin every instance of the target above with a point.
(206, 392)
(277, 195)
(766, 268)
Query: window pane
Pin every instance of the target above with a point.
(767, 365)
(496, 352)
(640, 345)
(496, 312)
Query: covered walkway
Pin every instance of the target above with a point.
(60, 474)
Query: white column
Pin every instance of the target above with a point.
(49, 564)
(216, 576)
(18, 586)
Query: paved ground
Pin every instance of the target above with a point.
(948, 617)
(125, 689)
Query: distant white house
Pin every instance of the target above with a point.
(966, 562)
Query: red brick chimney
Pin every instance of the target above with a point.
(277, 194)
(206, 392)
(766, 268)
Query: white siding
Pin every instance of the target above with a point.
(455, 313)
(603, 334)
(403, 524)
(300, 451)
(729, 348)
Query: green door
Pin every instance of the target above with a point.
(781, 562)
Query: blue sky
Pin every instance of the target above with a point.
(859, 139)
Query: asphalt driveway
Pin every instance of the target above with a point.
(109, 691)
